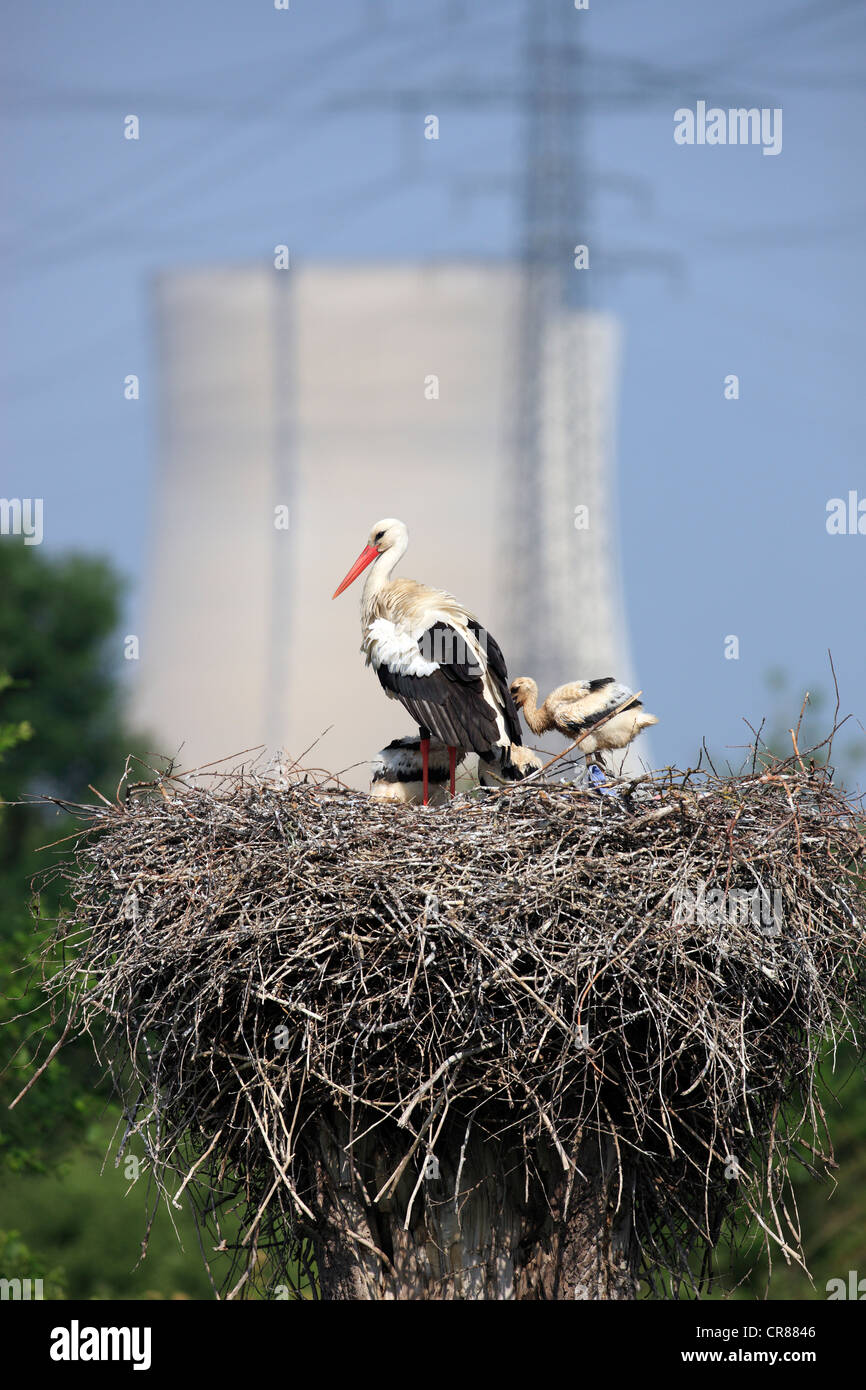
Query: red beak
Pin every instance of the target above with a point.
(366, 557)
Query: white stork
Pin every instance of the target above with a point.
(398, 772)
(575, 708)
(433, 655)
(522, 758)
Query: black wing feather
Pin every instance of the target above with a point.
(499, 679)
(450, 702)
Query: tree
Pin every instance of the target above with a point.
(61, 729)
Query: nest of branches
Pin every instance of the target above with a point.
(662, 968)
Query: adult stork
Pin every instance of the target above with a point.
(576, 708)
(433, 655)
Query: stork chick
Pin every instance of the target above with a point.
(398, 772)
(522, 762)
(577, 707)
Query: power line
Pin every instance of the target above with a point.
(188, 178)
(156, 174)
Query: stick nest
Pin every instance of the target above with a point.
(251, 960)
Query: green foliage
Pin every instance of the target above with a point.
(61, 729)
(832, 1210)
(18, 1262)
(85, 1216)
(12, 734)
(56, 619)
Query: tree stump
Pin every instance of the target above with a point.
(471, 1222)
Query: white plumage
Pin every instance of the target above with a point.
(433, 655)
(386, 645)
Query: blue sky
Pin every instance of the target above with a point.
(722, 261)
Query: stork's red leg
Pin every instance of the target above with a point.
(452, 767)
(425, 766)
